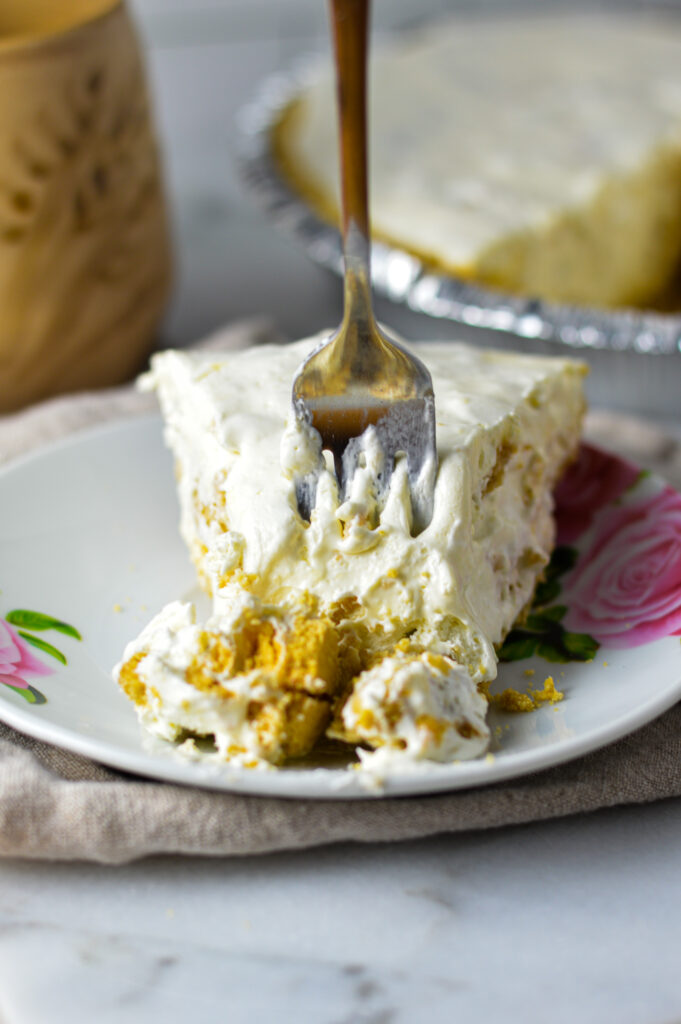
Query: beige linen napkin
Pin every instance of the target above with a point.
(54, 804)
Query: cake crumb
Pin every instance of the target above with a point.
(514, 701)
(529, 672)
(118, 608)
(548, 694)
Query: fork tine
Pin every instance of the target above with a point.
(409, 428)
(306, 495)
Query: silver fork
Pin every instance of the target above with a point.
(359, 386)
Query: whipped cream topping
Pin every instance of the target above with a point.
(488, 134)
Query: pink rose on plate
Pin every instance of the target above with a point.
(16, 659)
(595, 479)
(626, 589)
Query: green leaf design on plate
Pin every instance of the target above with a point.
(553, 651)
(29, 694)
(555, 613)
(580, 646)
(547, 591)
(542, 632)
(43, 645)
(545, 619)
(36, 620)
(562, 560)
(553, 644)
(518, 645)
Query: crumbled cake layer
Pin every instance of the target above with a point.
(258, 684)
(568, 183)
(418, 706)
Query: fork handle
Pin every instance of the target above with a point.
(350, 20)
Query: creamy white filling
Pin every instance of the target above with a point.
(417, 708)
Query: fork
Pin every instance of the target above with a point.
(361, 388)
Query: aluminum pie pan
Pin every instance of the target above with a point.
(404, 278)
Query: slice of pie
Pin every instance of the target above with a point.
(539, 154)
(349, 624)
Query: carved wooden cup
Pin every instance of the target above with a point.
(85, 261)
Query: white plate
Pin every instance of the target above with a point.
(88, 535)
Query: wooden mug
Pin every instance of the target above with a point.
(85, 261)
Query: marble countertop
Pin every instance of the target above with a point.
(571, 920)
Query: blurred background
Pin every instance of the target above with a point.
(206, 61)
(85, 259)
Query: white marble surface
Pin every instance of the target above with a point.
(575, 920)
